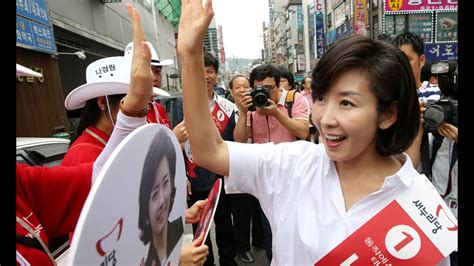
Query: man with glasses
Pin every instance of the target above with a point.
(271, 123)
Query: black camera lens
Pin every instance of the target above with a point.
(434, 116)
(260, 99)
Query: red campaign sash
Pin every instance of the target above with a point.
(389, 238)
(416, 228)
(221, 119)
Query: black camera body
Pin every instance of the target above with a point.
(260, 97)
(443, 111)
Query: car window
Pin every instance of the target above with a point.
(44, 154)
(22, 159)
(49, 154)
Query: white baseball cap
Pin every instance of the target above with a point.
(106, 76)
(24, 71)
(155, 60)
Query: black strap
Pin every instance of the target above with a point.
(30, 242)
(251, 125)
(425, 156)
(437, 141)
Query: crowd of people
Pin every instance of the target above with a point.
(301, 172)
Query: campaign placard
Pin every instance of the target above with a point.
(207, 216)
(135, 210)
(417, 228)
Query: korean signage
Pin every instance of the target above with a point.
(421, 24)
(339, 15)
(319, 21)
(33, 27)
(420, 5)
(33, 9)
(299, 19)
(446, 27)
(301, 62)
(340, 32)
(441, 51)
(395, 24)
(344, 30)
(335, 3)
(360, 17)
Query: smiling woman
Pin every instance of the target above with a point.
(316, 196)
(157, 192)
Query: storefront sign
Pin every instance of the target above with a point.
(33, 26)
(360, 17)
(319, 21)
(319, 6)
(446, 27)
(339, 15)
(420, 5)
(422, 25)
(344, 30)
(30, 34)
(441, 51)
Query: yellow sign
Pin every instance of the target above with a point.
(395, 5)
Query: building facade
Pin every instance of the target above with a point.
(99, 28)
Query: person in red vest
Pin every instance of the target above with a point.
(108, 80)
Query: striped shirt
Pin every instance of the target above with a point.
(428, 91)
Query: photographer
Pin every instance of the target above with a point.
(441, 122)
(440, 119)
(270, 120)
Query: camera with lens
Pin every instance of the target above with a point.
(260, 97)
(446, 109)
(443, 111)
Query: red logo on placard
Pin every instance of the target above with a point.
(453, 228)
(98, 244)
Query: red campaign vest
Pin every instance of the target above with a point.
(221, 119)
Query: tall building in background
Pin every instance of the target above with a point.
(211, 40)
(277, 32)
